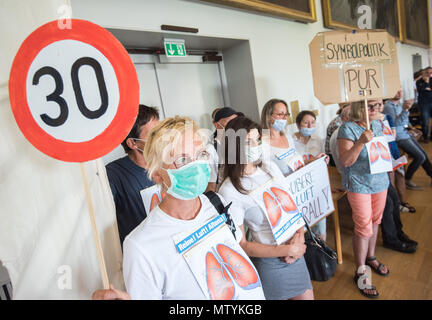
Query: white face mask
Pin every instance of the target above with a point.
(279, 124)
(253, 154)
(307, 132)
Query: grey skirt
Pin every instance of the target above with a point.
(280, 280)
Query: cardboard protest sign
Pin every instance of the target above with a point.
(279, 208)
(218, 263)
(151, 196)
(379, 155)
(357, 79)
(310, 189)
(345, 65)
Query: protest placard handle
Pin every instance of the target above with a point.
(366, 110)
(96, 237)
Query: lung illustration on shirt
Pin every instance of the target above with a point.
(224, 266)
(378, 150)
(280, 200)
(156, 199)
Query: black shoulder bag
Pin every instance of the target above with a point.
(321, 260)
(221, 209)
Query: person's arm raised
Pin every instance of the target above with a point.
(349, 151)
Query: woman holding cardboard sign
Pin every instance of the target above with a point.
(366, 192)
(264, 208)
(310, 147)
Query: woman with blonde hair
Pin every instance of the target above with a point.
(366, 192)
(153, 267)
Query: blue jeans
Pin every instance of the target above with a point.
(426, 114)
(414, 149)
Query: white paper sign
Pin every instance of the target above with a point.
(151, 196)
(218, 263)
(388, 133)
(310, 189)
(279, 208)
(400, 162)
(290, 159)
(379, 155)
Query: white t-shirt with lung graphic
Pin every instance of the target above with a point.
(247, 210)
(312, 148)
(152, 267)
(287, 159)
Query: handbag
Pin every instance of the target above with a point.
(321, 260)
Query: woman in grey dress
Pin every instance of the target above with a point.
(282, 268)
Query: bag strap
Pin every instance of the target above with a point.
(313, 236)
(221, 209)
(327, 250)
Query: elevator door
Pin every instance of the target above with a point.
(188, 89)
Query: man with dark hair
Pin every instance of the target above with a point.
(127, 176)
(224, 115)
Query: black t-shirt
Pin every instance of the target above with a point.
(126, 180)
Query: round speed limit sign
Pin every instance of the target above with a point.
(74, 92)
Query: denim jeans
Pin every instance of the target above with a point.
(426, 114)
(414, 149)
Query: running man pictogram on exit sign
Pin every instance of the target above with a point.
(175, 47)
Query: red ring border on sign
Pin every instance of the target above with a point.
(101, 39)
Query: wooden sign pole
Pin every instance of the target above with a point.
(96, 237)
(366, 110)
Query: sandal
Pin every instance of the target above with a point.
(406, 205)
(366, 287)
(380, 267)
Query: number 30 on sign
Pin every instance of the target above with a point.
(74, 92)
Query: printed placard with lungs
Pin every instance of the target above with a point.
(280, 209)
(151, 197)
(291, 159)
(388, 131)
(218, 263)
(379, 155)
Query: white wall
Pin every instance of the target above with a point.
(279, 47)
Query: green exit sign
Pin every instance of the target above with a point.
(175, 48)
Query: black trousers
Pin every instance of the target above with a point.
(391, 224)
